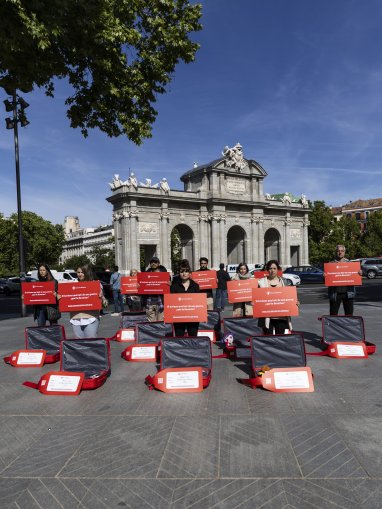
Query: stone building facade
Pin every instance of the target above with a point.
(222, 214)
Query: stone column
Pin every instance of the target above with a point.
(223, 240)
(287, 224)
(164, 236)
(305, 240)
(215, 241)
(134, 245)
(260, 240)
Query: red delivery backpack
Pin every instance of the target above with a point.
(279, 363)
(182, 354)
(344, 337)
(241, 328)
(90, 356)
(148, 335)
(212, 327)
(127, 324)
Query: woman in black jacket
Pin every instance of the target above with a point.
(184, 284)
(49, 312)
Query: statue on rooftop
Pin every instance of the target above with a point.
(234, 157)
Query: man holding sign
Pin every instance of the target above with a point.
(184, 284)
(338, 294)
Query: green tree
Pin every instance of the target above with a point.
(43, 242)
(102, 257)
(321, 232)
(118, 55)
(372, 240)
(76, 261)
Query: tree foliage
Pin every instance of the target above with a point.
(43, 242)
(74, 262)
(118, 55)
(373, 236)
(102, 257)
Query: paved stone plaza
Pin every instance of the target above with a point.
(227, 447)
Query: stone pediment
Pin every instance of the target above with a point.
(251, 167)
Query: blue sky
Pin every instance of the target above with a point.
(297, 82)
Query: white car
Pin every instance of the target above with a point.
(290, 279)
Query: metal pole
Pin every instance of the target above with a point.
(18, 189)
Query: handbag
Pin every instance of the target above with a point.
(52, 313)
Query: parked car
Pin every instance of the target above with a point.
(307, 273)
(13, 284)
(371, 267)
(3, 282)
(290, 279)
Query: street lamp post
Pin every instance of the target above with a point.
(18, 105)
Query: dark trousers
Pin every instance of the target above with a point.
(278, 325)
(180, 328)
(347, 303)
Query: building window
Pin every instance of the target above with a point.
(358, 216)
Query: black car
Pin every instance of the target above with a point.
(307, 273)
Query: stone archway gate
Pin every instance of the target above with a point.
(224, 193)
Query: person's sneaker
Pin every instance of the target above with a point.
(114, 314)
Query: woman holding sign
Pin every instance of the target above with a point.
(242, 308)
(184, 284)
(273, 280)
(49, 312)
(86, 323)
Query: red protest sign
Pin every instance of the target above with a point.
(274, 302)
(185, 307)
(206, 279)
(38, 292)
(342, 274)
(153, 283)
(129, 284)
(79, 296)
(241, 290)
(259, 274)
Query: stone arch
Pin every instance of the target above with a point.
(182, 246)
(236, 245)
(272, 243)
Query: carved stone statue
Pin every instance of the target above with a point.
(286, 199)
(268, 196)
(304, 201)
(164, 185)
(117, 182)
(133, 181)
(234, 157)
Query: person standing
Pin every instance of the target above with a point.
(338, 294)
(221, 291)
(115, 283)
(85, 323)
(154, 303)
(242, 308)
(184, 284)
(203, 265)
(49, 312)
(134, 301)
(282, 323)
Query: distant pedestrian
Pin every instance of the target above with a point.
(115, 283)
(221, 291)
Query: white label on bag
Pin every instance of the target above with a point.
(143, 352)
(127, 335)
(30, 358)
(291, 380)
(351, 350)
(63, 383)
(207, 333)
(182, 380)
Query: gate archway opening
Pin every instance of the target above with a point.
(182, 246)
(236, 240)
(272, 240)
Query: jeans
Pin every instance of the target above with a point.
(220, 298)
(118, 301)
(86, 331)
(42, 318)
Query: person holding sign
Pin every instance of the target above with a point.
(282, 323)
(184, 284)
(134, 300)
(203, 265)
(85, 324)
(242, 308)
(154, 303)
(48, 312)
(338, 294)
